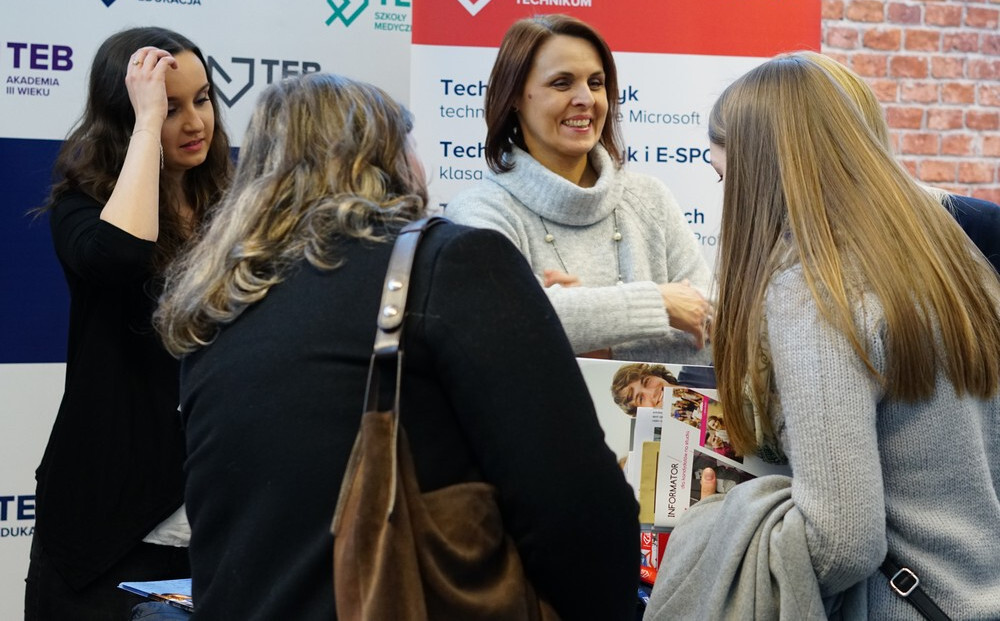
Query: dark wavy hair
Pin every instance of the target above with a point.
(91, 158)
(510, 70)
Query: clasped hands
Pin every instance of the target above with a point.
(686, 306)
(688, 310)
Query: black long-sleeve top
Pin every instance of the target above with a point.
(980, 220)
(490, 385)
(113, 466)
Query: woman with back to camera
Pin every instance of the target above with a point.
(621, 266)
(133, 181)
(874, 325)
(275, 311)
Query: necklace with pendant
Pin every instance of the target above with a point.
(617, 238)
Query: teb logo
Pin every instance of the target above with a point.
(474, 6)
(274, 69)
(345, 12)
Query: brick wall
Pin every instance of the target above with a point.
(935, 66)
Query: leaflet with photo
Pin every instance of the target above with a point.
(665, 422)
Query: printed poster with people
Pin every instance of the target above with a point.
(673, 58)
(666, 425)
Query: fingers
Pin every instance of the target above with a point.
(687, 309)
(148, 65)
(709, 484)
(149, 58)
(699, 338)
(557, 277)
(145, 79)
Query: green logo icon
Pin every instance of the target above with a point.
(347, 11)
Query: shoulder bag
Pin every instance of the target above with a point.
(401, 554)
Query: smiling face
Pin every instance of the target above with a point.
(646, 392)
(190, 124)
(564, 103)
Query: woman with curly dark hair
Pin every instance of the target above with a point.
(133, 181)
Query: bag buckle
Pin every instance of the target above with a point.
(904, 588)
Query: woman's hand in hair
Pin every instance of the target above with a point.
(688, 309)
(134, 204)
(145, 79)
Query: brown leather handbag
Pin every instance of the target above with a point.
(399, 554)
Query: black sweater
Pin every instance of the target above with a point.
(490, 385)
(981, 222)
(112, 469)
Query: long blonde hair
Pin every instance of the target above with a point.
(808, 181)
(866, 101)
(323, 156)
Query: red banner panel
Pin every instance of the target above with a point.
(758, 28)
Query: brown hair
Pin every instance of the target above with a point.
(632, 372)
(510, 70)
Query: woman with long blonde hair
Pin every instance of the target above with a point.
(275, 310)
(858, 333)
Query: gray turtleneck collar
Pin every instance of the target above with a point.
(547, 194)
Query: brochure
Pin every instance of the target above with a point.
(174, 592)
(666, 424)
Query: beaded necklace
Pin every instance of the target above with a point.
(617, 238)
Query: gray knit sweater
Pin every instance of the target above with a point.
(869, 471)
(869, 474)
(657, 246)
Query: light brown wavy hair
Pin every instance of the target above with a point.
(324, 156)
(807, 180)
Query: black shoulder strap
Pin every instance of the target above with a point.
(906, 584)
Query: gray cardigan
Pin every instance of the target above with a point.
(871, 473)
(743, 555)
(657, 246)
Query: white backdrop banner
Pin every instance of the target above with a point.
(47, 47)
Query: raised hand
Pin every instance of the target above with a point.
(145, 80)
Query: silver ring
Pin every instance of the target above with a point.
(135, 61)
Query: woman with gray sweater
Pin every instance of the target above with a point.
(621, 266)
(858, 330)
